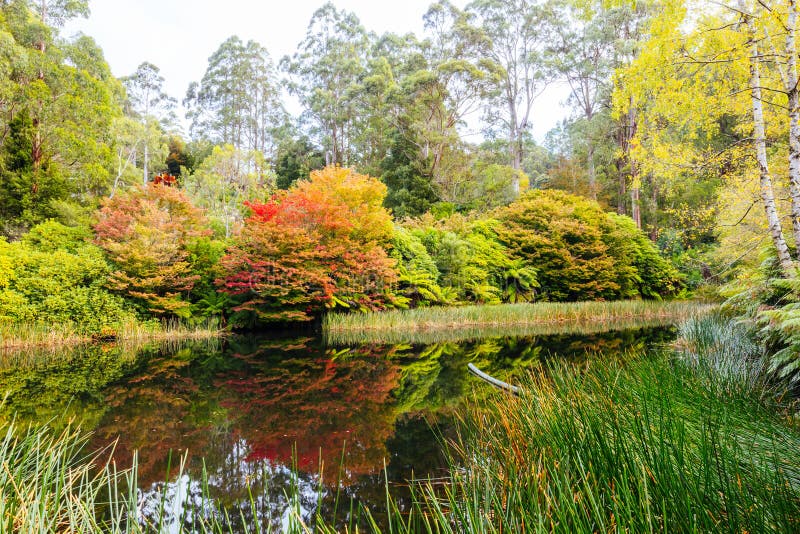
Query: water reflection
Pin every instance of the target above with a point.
(260, 416)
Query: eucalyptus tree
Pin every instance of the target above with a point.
(57, 103)
(148, 102)
(54, 14)
(324, 73)
(517, 34)
(584, 54)
(238, 100)
(444, 91)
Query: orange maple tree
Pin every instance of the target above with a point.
(319, 245)
(146, 232)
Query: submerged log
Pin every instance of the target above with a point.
(493, 381)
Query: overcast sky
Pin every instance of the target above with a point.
(178, 36)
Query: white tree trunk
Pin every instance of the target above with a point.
(759, 140)
(793, 93)
(146, 161)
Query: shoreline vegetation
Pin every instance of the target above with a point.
(20, 337)
(638, 442)
(429, 325)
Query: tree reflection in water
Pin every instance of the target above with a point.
(262, 416)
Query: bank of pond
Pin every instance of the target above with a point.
(644, 427)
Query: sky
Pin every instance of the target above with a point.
(178, 36)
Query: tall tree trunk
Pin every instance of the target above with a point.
(623, 186)
(514, 143)
(654, 208)
(760, 143)
(793, 93)
(633, 169)
(591, 169)
(515, 146)
(146, 162)
(636, 213)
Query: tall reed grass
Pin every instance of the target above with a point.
(727, 354)
(644, 445)
(27, 336)
(50, 484)
(430, 325)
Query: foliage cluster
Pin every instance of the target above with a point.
(583, 252)
(55, 275)
(320, 245)
(158, 242)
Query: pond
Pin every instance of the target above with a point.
(283, 415)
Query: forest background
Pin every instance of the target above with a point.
(373, 197)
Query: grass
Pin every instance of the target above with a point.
(431, 325)
(638, 445)
(22, 337)
(50, 484)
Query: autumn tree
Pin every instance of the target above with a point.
(317, 246)
(147, 233)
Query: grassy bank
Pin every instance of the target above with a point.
(18, 337)
(646, 445)
(429, 325)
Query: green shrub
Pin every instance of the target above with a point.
(472, 264)
(417, 272)
(582, 252)
(54, 276)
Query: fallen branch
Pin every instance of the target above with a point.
(493, 381)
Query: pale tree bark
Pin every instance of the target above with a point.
(760, 143)
(793, 93)
(636, 185)
(146, 160)
(636, 213)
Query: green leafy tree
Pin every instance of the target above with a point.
(58, 104)
(516, 33)
(238, 100)
(324, 72)
(225, 180)
(295, 160)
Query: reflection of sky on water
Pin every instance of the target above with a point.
(281, 498)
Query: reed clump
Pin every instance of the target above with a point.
(425, 325)
(37, 336)
(638, 445)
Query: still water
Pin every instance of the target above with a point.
(278, 416)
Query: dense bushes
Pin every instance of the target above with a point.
(325, 243)
(55, 276)
(548, 245)
(473, 265)
(582, 252)
(149, 234)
